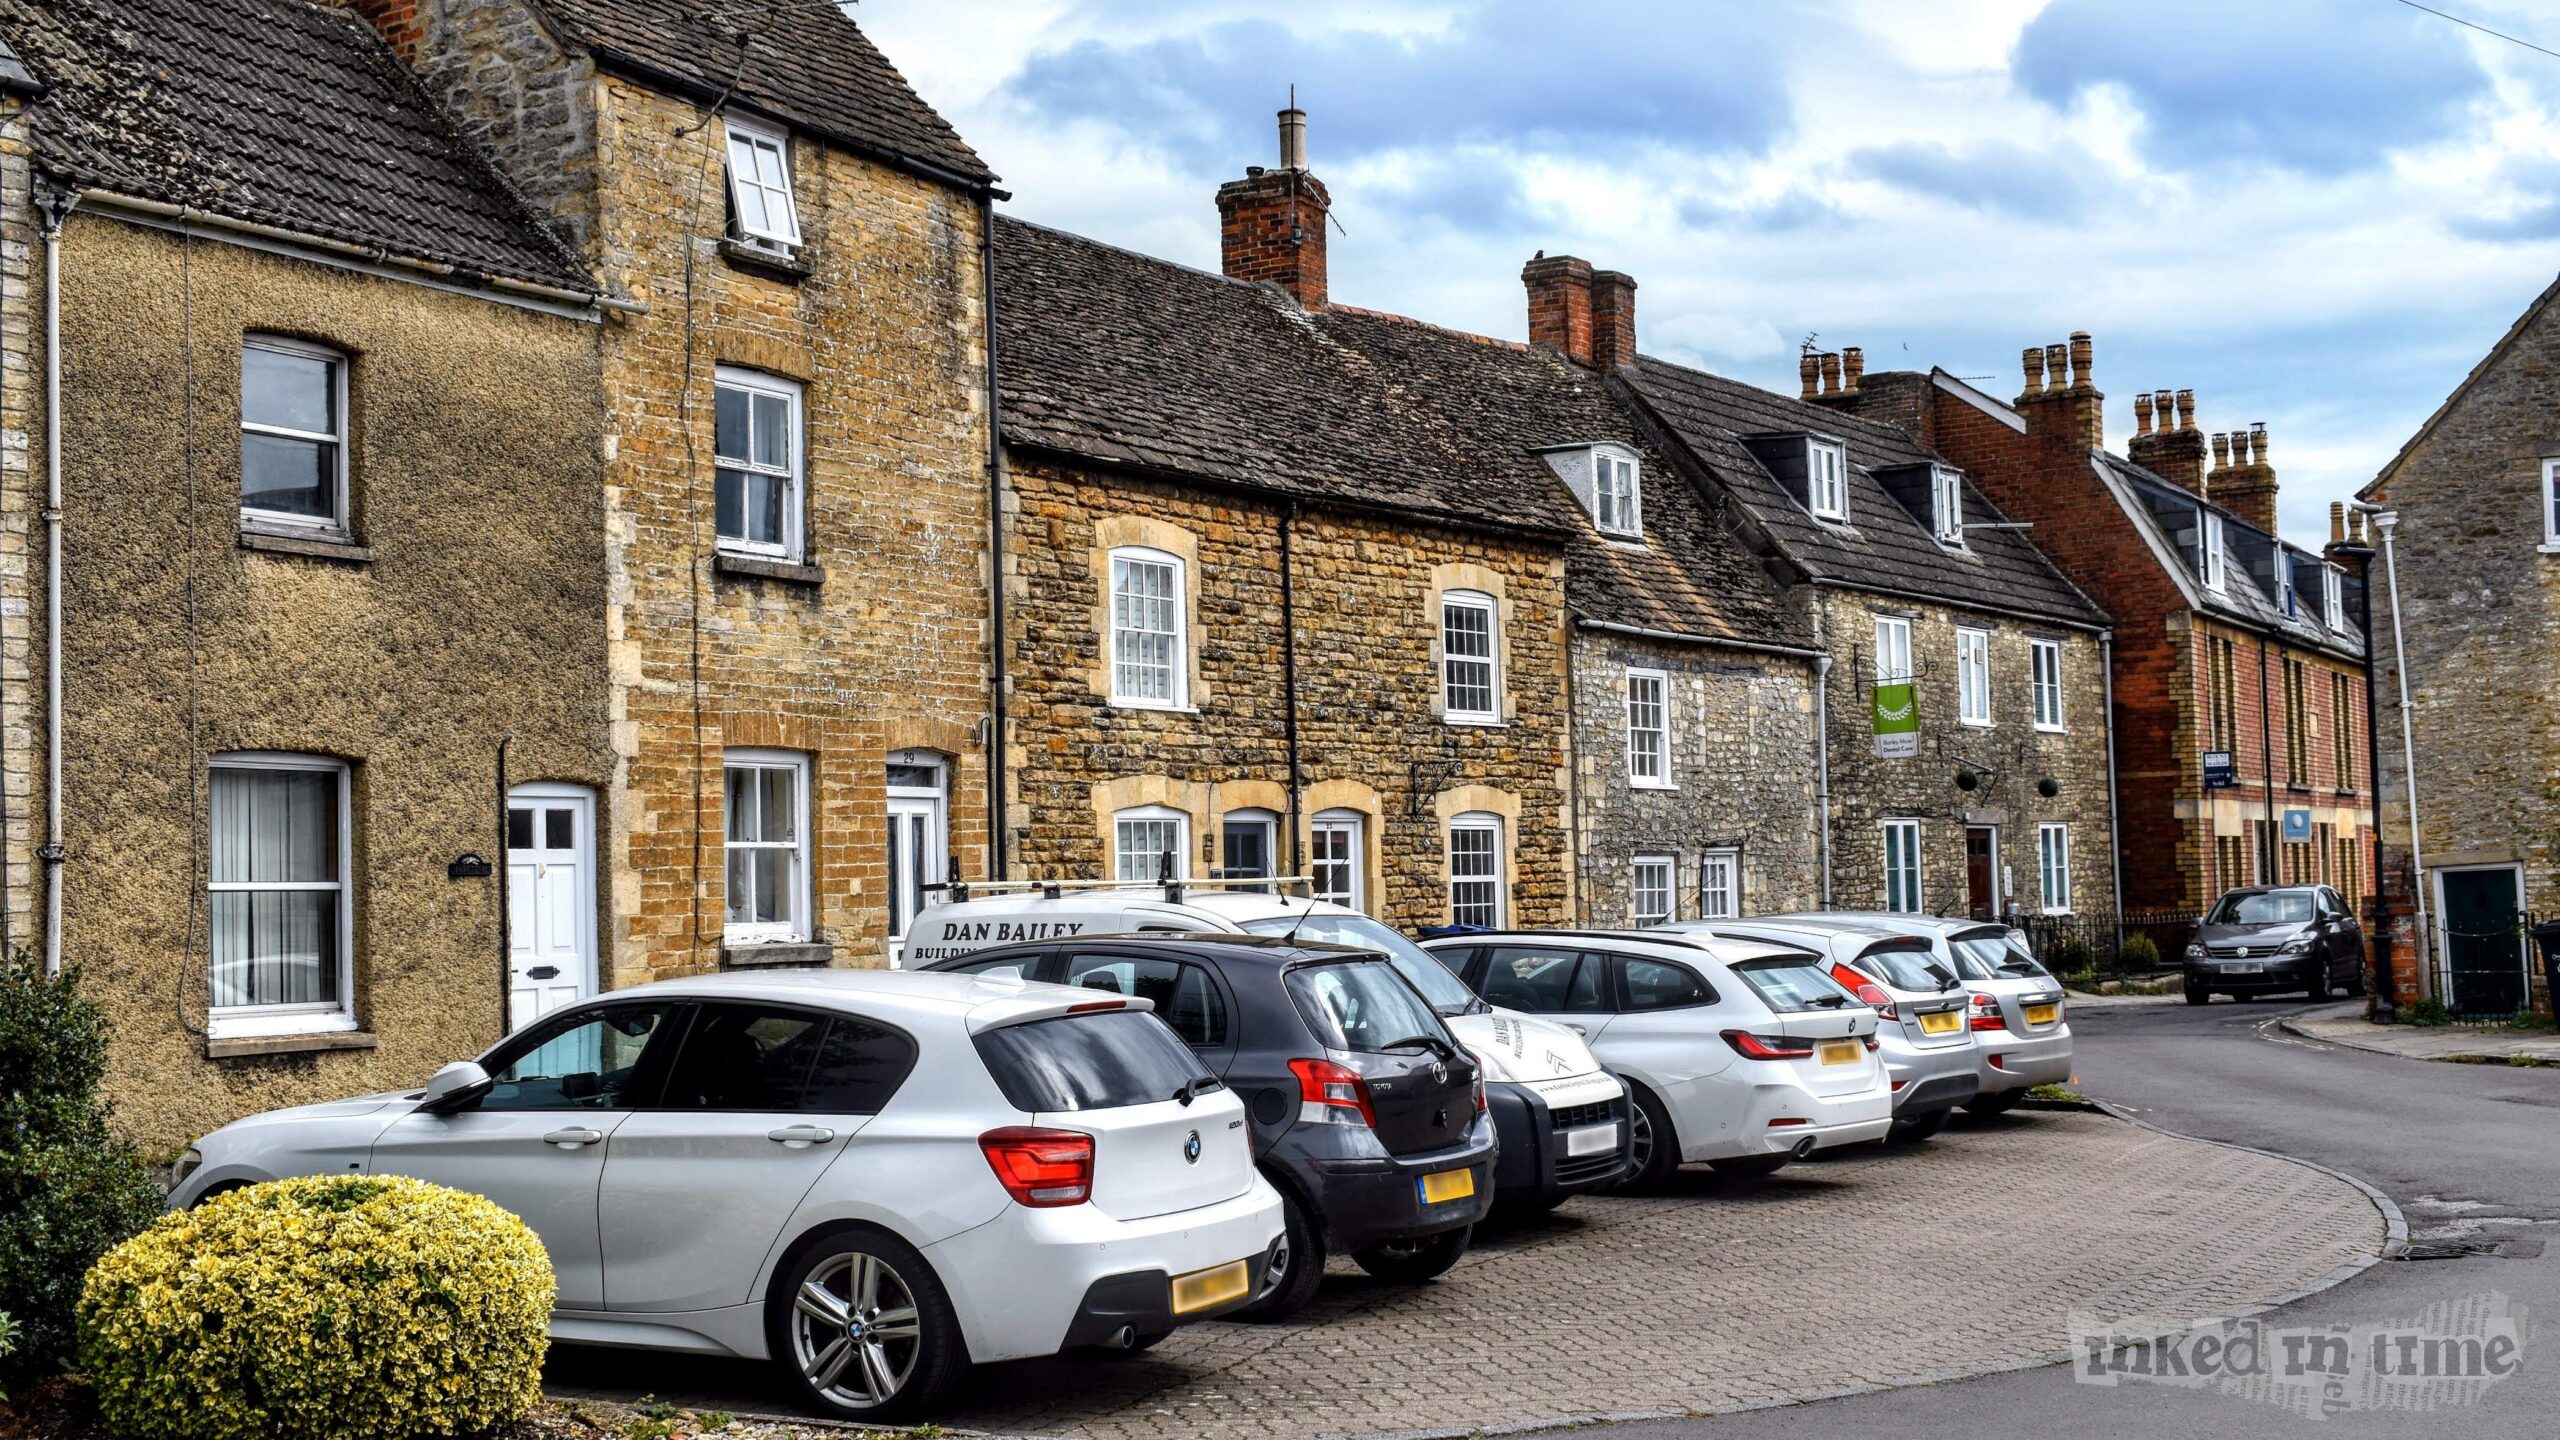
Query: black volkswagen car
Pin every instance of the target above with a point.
(2271, 939)
(1367, 1115)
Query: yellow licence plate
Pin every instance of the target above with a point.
(1446, 1186)
(1214, 1286)
(2043, 1014)
(1841, 1052)
(1940, 1023)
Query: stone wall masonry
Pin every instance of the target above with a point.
(1867, 790)
(1742, 775)
(1370, 737)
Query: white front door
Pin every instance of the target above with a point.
(919, 852)
(551, 900)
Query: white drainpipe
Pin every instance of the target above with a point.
(2386, 521)
(51, 854)
(1822, 762)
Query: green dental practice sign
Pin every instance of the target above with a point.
(1897, 721)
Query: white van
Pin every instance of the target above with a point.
(1561, 1119)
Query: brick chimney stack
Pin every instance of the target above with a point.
(2247, 486)
(2061, 398)
(1271, 223)
(2166, 441)
(401, 23)
(1586, 315)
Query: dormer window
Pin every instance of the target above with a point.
(1946, 504)
(760, 184)
(2210, 543)
(1615, 505)
(1826, 479)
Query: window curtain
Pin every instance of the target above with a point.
(275, 828)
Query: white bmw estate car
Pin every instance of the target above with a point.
(873, 1178)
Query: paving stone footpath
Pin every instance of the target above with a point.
(1887, 1264)
(2475, 1044)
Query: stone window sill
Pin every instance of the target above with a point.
(759, 568)
(310, 547)
(788, 268)
(242, 1047)
(810, 955)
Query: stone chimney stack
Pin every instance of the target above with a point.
(2247, 487)
(1613, 319)
(2062, 399)
(1271, 223)
(2166, 442)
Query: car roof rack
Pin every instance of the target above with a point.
(961, 891)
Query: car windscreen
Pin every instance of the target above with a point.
(1790, 984)
(1362, 1005)
(1447, 993)
(1905, 969)
(1993, 955)
(2274, 907)
(1090, 1062)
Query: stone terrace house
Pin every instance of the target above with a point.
(2471, 524)
(1263, 619)
(1965, 767)
(799, 522)
(1694, 682)
(331, 548)
(2229, 642)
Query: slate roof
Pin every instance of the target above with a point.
(276, 112)
(1885, 548)
(805, 62)
(2167, 513)
(1691, 576)
(1129, 360)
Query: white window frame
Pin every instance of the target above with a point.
(753, 137)
(2333, 600)
(1491, 660)
(1477, 822)
(1905, 880)
(2211, 543)
(1146, 872)
(2287, 598)
(1720, 885)
(338, 522)
(793, 474)
(1353, 828)
(2044, 679)
(2053, 867)
(1973, 676)
(1616, 509)
(1178, 682)
(1649, 746)
(1946, 504)
(1893, 649)
(1643, 871)
(799, 927)
(1826, 486)
(236, 1021)
(2551, 505)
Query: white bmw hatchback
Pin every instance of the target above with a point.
(873, 1178)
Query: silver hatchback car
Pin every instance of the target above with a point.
(1923, 1029)
(2019, 1018)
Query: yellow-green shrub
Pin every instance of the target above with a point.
(366, 1307)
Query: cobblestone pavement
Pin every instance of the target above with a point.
(1884, 1264)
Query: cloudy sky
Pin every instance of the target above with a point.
(2316, 213)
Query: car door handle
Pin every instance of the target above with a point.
(573, 1137)
(801, 1137)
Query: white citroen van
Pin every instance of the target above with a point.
(1562, 1120)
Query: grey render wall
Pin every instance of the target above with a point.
(1742, 771)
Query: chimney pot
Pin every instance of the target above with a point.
(2258, 442)
(1809, 370)
(2337, 522)
(1293, 135)
(2084, 368)
(2142, 414)
(1853, 365)
(2186, 409)
(2032, 359)
(1830, 373)
(2221, 451)
(2057, 368)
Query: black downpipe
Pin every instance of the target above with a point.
(506, 912)
(999, 861)
(1289, 673)
(2378, 940)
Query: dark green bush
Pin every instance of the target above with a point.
(70, 1190)
(2075, 957)
(2137, 954)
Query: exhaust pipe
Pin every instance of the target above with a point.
(1124, 1338)
(1803, 1148)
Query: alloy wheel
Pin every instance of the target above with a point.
(855, 1331)
(1640, 1140)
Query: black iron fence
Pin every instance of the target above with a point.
(2110, 945)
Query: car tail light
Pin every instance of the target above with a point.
(1768, 1047)
(1868, 992)
(1331, 1094)
(1480, 1092)
(1043, 1169)
(1898, 1084)
(1986, 1013)
(1090, 1006)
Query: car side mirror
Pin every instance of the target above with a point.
(455, 1086)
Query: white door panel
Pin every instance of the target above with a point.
(693, 1200)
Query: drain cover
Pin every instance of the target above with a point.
(2424, 1251)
